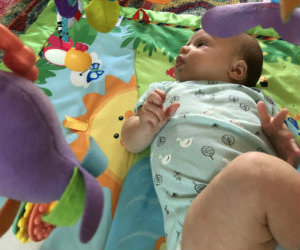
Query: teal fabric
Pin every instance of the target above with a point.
(215, 123)
(95, 161)
(138, 221)
(2, 200)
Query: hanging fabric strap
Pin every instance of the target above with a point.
(145, 17)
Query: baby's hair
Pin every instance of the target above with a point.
(251, 52)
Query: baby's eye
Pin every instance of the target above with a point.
(199, 44)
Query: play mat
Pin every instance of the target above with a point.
(93, 98)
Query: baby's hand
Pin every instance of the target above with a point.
(278, 133)
(152, 114)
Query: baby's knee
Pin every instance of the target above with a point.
(254, 158)
(259, 169)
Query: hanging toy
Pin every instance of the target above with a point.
(102, 15)
(56, 52)
(67, 8)
(62, 28)
(78, 59)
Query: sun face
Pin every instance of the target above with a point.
(104, 119)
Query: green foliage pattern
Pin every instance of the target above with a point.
(154, 36)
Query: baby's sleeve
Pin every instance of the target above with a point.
(151, 88)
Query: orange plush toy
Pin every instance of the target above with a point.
(16, 51)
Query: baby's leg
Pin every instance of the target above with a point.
(254, 203)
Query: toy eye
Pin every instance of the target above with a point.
(116, 135)
(121, 118)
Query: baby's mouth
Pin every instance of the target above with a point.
(179, 61)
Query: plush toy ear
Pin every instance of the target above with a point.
(231, 20)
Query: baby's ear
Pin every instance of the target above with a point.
(238, 71)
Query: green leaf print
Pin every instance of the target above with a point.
(275, 49)
(155, 37)
(116, 30)
(46, 91)
(126, 42)
(136, 43)
(45, 71)
(149, 48)
(82, 33)
(165, 52)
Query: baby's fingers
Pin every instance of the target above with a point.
(278, 120)
(265, 118)
(154, 113)
(157, 97)
(172, 109)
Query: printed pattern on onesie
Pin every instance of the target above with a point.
(214, 124)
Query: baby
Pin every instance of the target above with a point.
(200, 128)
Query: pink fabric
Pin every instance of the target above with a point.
(5, 5)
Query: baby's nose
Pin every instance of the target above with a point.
(184, 49)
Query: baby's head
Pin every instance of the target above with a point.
(235, 59)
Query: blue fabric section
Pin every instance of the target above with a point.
(63, 238)
(2, 200)
(138, 221)
(65, 31)
(95, 162)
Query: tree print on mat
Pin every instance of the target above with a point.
(45, 71)
(154, 36)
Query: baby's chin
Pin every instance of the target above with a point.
(180, 78)
(183, 76)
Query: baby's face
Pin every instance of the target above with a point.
(205, 57)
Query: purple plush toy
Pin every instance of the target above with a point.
(66, 9)
(231, 20)
(36, 163)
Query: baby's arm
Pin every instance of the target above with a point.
(139, 130)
